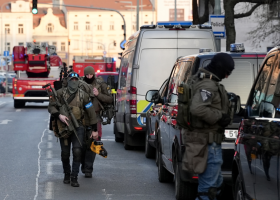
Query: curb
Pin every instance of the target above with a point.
(6, 95)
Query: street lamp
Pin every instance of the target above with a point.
(2, 26)
(128, 2)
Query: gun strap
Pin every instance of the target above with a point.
(70, 99)
(102, 108)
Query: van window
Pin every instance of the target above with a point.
(241, 80)
(260, 87)
(125, 70)
(155, 65)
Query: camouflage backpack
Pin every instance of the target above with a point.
(185, 95)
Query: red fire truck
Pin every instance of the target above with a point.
(35, 65)
(99, 63)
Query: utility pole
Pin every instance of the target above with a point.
(217, 11)
(175, 11)
(137, 16)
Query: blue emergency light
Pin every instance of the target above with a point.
(183, 24)
(237, 47)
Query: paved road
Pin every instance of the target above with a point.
(30, 166)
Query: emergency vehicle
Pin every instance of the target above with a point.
(99, 63)
(35, 65)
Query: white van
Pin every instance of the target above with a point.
(146, 62)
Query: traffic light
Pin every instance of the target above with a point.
(115, 44)
(68, 41)
(34, 7)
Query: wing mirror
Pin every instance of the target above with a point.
(153, 96)
(267, 109)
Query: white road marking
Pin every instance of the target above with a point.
(6, 121)
(107, 139)
(18, 110)
(50, 145)
(49, 190)
(50, 131)
(49, 168)
(50, 137)
(49, 154)
(39, 164)
(6, 196)
(107, 196)
(1, 102)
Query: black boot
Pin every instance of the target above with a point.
(66, 178)
(88, 175)
(74, 181)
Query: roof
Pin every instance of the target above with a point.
(112, 4)
(43, 11)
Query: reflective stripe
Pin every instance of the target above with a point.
(142, 107)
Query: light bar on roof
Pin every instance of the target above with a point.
(183, 24)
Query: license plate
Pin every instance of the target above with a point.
(36, 86)
(231, 134)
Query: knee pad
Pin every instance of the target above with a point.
(65, 155)
(77, 154)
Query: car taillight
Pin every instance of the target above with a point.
(133, 100)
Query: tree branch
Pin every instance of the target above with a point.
(247, 13)
(257, 1)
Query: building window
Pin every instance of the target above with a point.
(112, 44)
(99, 26)
(54, 44)
(88, 45)
(62, 46)
(76, 26)
(134, 27)
(20, 44)
(180, 15)
(87, 26)
(146, 22)
(112, 26)
(8, 47)
(50, 28)
(100, 46)
(20, 28)
(7, 28)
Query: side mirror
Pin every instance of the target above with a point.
(173, 98)
(152, 96)
(111, 81)
(235, 101)
(267, 109)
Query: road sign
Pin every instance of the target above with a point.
(6, 53)
(104, 53)
(218, 25)
(122, 44)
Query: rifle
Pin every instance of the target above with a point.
(64, 109)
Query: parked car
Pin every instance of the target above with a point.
(2, 79)
(166, 135)
(148, 53)
(255, 168)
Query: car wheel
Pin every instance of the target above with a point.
(125, 142)
(164, 176)
(118, 138)
(150, 151)
(238, 190)
(184, 190)
(19, 104)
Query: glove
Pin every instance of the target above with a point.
(225, 120)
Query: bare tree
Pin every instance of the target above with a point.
(268, 25)
(230, 16)
(205, 6)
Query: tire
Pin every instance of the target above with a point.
(150, 152)
(238, 189)
(184, 190)
(19, 104)
(117, 134)
(164, 176)
(125, 142)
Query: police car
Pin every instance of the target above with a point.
(164, 136)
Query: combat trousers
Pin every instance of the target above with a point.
(212, 176)
(76, 150)
(89, 156)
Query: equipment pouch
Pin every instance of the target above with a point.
(196, 151)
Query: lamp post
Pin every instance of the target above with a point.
(2, 26)
(128, 2)
(175, 11)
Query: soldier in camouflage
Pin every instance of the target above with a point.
(98, 91)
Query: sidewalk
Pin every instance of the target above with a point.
(7, 95)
